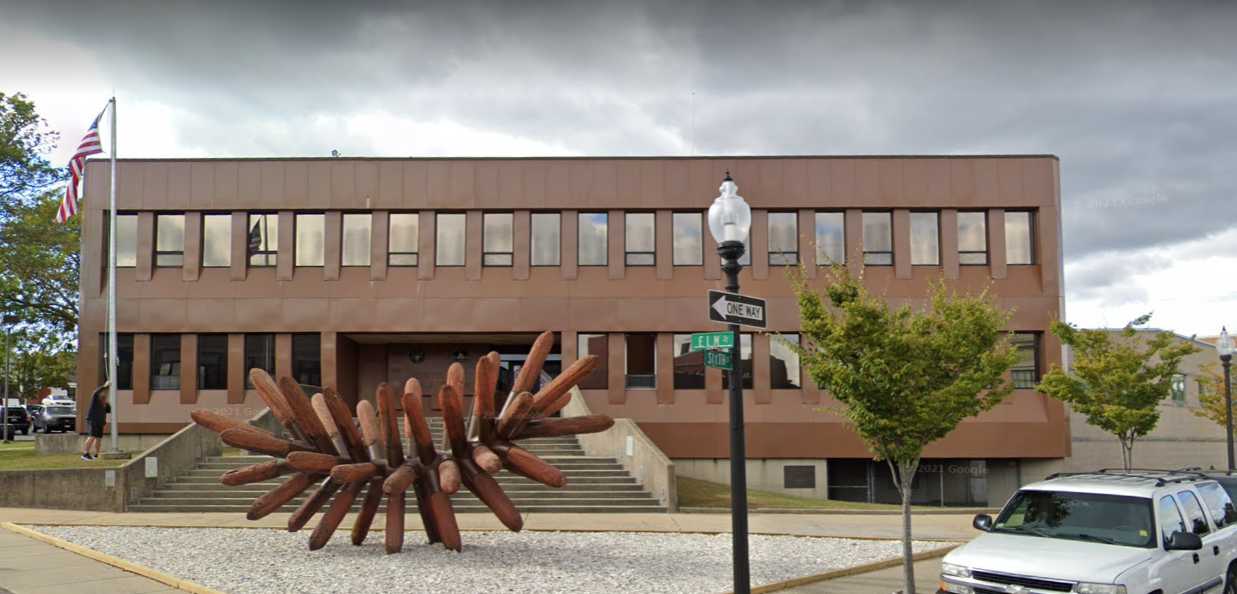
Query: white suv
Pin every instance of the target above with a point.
(1106, 532)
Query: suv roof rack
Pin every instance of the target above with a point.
(1161, 476)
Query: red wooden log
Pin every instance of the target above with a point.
(485, 458)
(217, 422)
(323, 411)
(515, 415)
(269, 391)
(371, 434)
(531, 370)
(263, 443)
(562, 384)
(277, 497)
(346, 424)
(333, 516)
(455, 378)
(351, 473)
(449, 476)
(453, 420)
(491, 494)
(398, 481)
(444, 520)
(422, 488)
(566, 426)
(521, 462)
(310, 506)
(314, 462)
(557, 405)
(414, 420)
(485, 382)
(389, 424)
(393, 539)
(255, 473)
(369, 508)
(303, 412)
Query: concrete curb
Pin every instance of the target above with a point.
(849, 571)
(146, 572)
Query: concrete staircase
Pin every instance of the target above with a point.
(597, 485)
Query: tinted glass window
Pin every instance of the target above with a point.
(925, 239)
(403, 238)
(547, 233)
(124, 360)
(688, 366)
(170, 240)
(126, 240)
(972, 238)
(599, 345)
(744, 365)
(688, 239)
(593, 248)
(165, 361)
(641, 361)
(213, 361)
(783, 238)
(263, 240)
(216, 240)
(1119, 520)
(1218, 502)
(496, 239)
(641, 238)
(356, 239)
(450, 245)
(830, 238)
(878, 239)
(310, 234)
(784, 362)
(1178, 388)
(1025, 372)
(307, 359)
(1170, 519)
(1195, 518)
(259, 354)
(1019, 234)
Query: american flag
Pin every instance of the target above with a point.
(89, 145)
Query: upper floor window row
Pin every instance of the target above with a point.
(639, 237)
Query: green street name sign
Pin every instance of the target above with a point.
(706, 341)
(718, 359)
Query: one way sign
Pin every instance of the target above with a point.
(733, 308)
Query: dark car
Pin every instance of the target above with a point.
(54, 418)
(18, 421)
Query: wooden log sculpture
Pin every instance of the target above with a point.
(346, 457)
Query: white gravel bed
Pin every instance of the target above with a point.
(261, 561)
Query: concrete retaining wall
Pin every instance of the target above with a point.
(633, 449)
(69, 443)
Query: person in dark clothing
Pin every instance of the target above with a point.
(96, 416)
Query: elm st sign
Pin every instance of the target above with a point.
(733, 308)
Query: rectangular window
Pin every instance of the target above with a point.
(1019, 237)
(170, 240)
(356, 239)
(688, 239)
(830, 238)
(449, 241)
(746, 258)
(925, 239)
(259, 354)
(1025, 372)
(496, 237)
(307, 359)
(124, 360)
(403, 238)
(212, 361)
(641, 361)
(641, 236)
(784, 371)
(547, 231)
(688, 366)
(263, 240)
(798, 477)
(745, 363)
(310, 238)
(783, 239)
(878, 239)
(593, 248)
(1178, 388)
(126, 241)
(599, 345)
(216, 240)
(165, 361)
(973, 238)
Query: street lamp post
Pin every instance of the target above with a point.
(1225, 347)
(730, 219)
(8, 320)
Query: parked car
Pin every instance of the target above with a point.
(17, 421)
(1104, 532)
(59, 401)
(53, 418)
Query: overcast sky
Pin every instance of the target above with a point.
(1138, 100)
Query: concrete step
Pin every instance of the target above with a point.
(508, 486)
(503, 478)
(239, 462)
(463, 495)
(411, 509)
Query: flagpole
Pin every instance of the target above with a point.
(111, 292)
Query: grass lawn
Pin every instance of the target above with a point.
(698, 493)
(21, 456)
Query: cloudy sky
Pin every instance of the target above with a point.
(1138, 100)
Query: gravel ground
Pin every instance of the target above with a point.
(242, 561)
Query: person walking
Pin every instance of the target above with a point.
(96, 416)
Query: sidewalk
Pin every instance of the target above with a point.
(927, 573)
(28, 566)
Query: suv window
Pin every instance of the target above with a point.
(1194, 511)
(1170, 519)
(1091, 517)
(1218, 502)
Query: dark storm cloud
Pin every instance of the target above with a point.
(1136, 99)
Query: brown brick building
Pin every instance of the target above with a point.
(350, 272)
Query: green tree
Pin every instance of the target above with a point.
(39, 261)
(39, 359)
(24, 143)
(906, 377)
(1211, 395)
(1117, 379)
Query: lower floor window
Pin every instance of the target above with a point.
(641, 361)
(165, 362)
(307, 359)
(259, 354)
(1025, 372)
(213, 361)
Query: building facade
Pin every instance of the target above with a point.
(351, 272)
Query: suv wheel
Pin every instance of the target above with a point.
(1230, 580)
